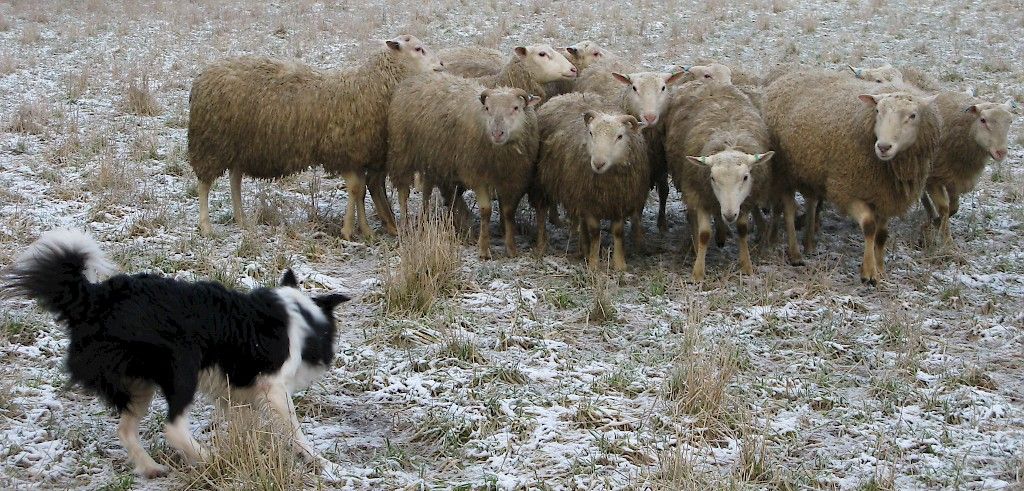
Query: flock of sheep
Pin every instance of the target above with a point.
(582, 129)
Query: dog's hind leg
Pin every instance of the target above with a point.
(128, 432)
(281, 403)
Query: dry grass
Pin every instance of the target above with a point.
(250, 451)
(809, 23)
(31, 117)
(428, 266)
(139, 98)
(698, 386)
(602, 309)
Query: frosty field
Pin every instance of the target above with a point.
(532, 373)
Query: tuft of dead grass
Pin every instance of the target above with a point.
(250, 451)
(424, 267)
(699, 384)
(31, 117)
(602, 309)
(139, 98)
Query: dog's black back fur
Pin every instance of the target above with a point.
(165, 331)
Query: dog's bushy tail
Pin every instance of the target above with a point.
(57, 271)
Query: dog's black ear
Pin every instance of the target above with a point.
(328, 302)
(289, 279)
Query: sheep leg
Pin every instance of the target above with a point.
(940, 198)
(638, 228)
(507, 210)
(592, 228)
(721, 232)
(583, 245)
(379, 194)
(742, 231)
(128, 433)
(954, 201)
(483, 198)
(880, 239)
(403, 203)
(810, 221)
(703, 238)
(542, 231)
(618, 247)
(426, 193)
(760, 224)
(554, 218)
(691, 223)
(204, 208)
(360, 199)
(662, 203)
(236, 197)
(862, 213)
(789, 214)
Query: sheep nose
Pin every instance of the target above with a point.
(497, 135)
(573, 70)
(884, 147)
(651, 118)
(730, 217)
(999, 154)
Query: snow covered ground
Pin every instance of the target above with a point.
(791, 378)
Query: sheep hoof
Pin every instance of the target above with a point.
(663, 225)
(796, 261)
(485, 255)
(869, 281)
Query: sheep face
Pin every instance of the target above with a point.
(608, 139)
(714, 71)
(504, 112)
(729, 172)
(585, 53)
(881, 75)
(415, 54)
(896, 121)
(648, 93)
(992, 126)
(545, 63)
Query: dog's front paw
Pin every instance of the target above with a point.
(152, 471)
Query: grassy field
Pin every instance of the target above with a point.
(524, 373)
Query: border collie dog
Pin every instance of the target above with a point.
(133, 334)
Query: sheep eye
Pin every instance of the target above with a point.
(597, 55)
(913, 116)
(879, 81)
(619, 137)
(634, 89)
(419, 50)
(982, 120)
(663, 88)
(745, 178)
(707, 76)
(487, 109)
(516, 108)
(543, 54)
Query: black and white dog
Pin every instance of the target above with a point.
(131, 335)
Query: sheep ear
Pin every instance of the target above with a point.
(701, 161)
(684, 68)
(589, 116)
(289, 279)
(675, 77)
(328, 302)
(484, 95)
(761, 157)
(521, 51)
(532, 100)
(1011, 105)
(855, 70)
(572, 51)
(395, 45)
(973, 110)
(929, 100)
(623, 79)
(869, 99)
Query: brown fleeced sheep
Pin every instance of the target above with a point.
(645, 96)
(887, 73)
(593, 161)
(581, 55)
(268, 118)
(458, 134)
(972, 132)
(528, 68)
(717, 149)
(870, 154)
